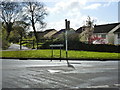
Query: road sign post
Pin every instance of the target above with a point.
(56, 45)
(67, 27)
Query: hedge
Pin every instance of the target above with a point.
(76, 45)
(94, 47)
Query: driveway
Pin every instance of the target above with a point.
(16, 47)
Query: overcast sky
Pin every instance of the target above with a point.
(77, 12)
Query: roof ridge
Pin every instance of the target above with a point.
(108, 24)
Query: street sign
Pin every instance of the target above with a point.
(57, 45)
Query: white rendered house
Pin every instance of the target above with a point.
(109, 32)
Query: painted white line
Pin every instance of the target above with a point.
(118, 85)
(102, 86)
(54, 71)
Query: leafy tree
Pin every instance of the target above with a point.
(9, 14)
(35, 12)
(21, 27)
(19, 30)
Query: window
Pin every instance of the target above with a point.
(103, 35)
(118, 35)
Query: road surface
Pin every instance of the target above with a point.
(56, 74)
(16, 47)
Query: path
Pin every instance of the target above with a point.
(16, 47)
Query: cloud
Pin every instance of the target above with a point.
(72, 10)
(75, 23)
(56, 25)
(93, 6)
(109, 3)
(63, 6)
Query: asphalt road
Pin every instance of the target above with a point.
(16, 47)
(56, 74)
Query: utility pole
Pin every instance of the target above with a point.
(67, 27)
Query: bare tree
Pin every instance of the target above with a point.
(35, 12)
(87, 31)
(9, 13)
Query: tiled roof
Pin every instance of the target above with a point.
(63, 31)
(104, 28)
(43, 33)
(49, 30)
(59, 32)
(79, 30)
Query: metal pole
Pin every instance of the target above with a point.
(52, 54)
(33, 45)
(20, 45)
(67, 27)
(21, 41)
(66, 44)
(37, 44)
(60, 53)
(66, 48)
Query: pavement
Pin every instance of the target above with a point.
(56, 74)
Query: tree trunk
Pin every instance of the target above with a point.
(8, 29)
(8, 34)
(35, 33)
(33, 25)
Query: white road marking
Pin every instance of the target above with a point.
(54, 71)
(118, 85)
(102, 86)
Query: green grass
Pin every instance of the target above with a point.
(71, 54)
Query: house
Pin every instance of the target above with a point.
(44, 34)
(117, 37)
(85, 33)
(106, 32)
(61, 33)
(80, 30)
(39, 33)
(48, 33)
(100, 34)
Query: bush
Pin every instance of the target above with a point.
(5, 43)
(76, 45)
(93, 47)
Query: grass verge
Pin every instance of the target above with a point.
(71, 54)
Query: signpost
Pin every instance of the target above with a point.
(67, 27)
(56, 45)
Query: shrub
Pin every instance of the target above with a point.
(76, 45)
(5, 43)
